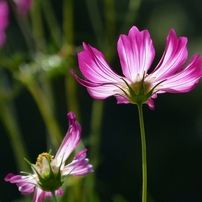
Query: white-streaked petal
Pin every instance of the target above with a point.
(136, 53)
(71, 140)
(102, 91)
(39, 195)
(174, 56)
(79, 165)
(94, 67)
(184, 80)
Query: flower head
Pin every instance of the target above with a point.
(49, 172)
(136, 53)
(4, 21)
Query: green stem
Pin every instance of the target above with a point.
(68, 22)
(70, 82)
(96, 21)
(128, 21)
(110, 20)
(52, 22)
(46, 112)
(7, 116)
(54, 196)
(94, 152)
(24, 26)
(71, 93)
(144, 154)
(37, 25)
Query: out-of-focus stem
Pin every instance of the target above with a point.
(96, 123)
(110, 20)
(70, 82)
(94, 140)
(128, 21)
(68, 24)
(8, 119)
(24, 26)
(131, 15)
(52, 22)
(71, 93)
(37, 25)
(54, 196)
(46, 112)
(96, 21)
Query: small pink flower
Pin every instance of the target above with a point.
(50, 172)
(136, 53)
(23, 6)
(4, 21)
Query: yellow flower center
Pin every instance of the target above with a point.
(41, 156)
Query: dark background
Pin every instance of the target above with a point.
(173, 129)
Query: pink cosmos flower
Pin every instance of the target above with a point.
(4, 21)
(49, 172)
(136, 53)
(23, 6)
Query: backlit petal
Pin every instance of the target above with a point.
(100, 91)
(79, 165)
(174, 56)
(71, 139)
(136, 53)
(94, 67)
(186, 79)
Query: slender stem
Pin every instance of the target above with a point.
(110, 20)
(68, 22)
(144, 154)
(70, 82)
(46, 112)
(37, 25)
(54, 196)
(8, 118)
(127, 22)
(96, 21)
(51, 21)
(24, 26)
(94, 155)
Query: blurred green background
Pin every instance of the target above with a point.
(173, 129)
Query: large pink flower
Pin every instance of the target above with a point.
(136, 53)
(49, 172)
(4, 21)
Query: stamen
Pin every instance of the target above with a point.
(41, 156)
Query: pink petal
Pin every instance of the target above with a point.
(71, 139)
(26, 188)
(136, 53)
(4, 13)
(174, 56)
(151, 104)
(94, 67)
(39, 194)
(4, 21)
(184, 80)
(59, 191)
(26, 184)
(100, 91)
(19, 178)
(79, 165)
(121, 99)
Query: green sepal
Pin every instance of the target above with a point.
(50, 181)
